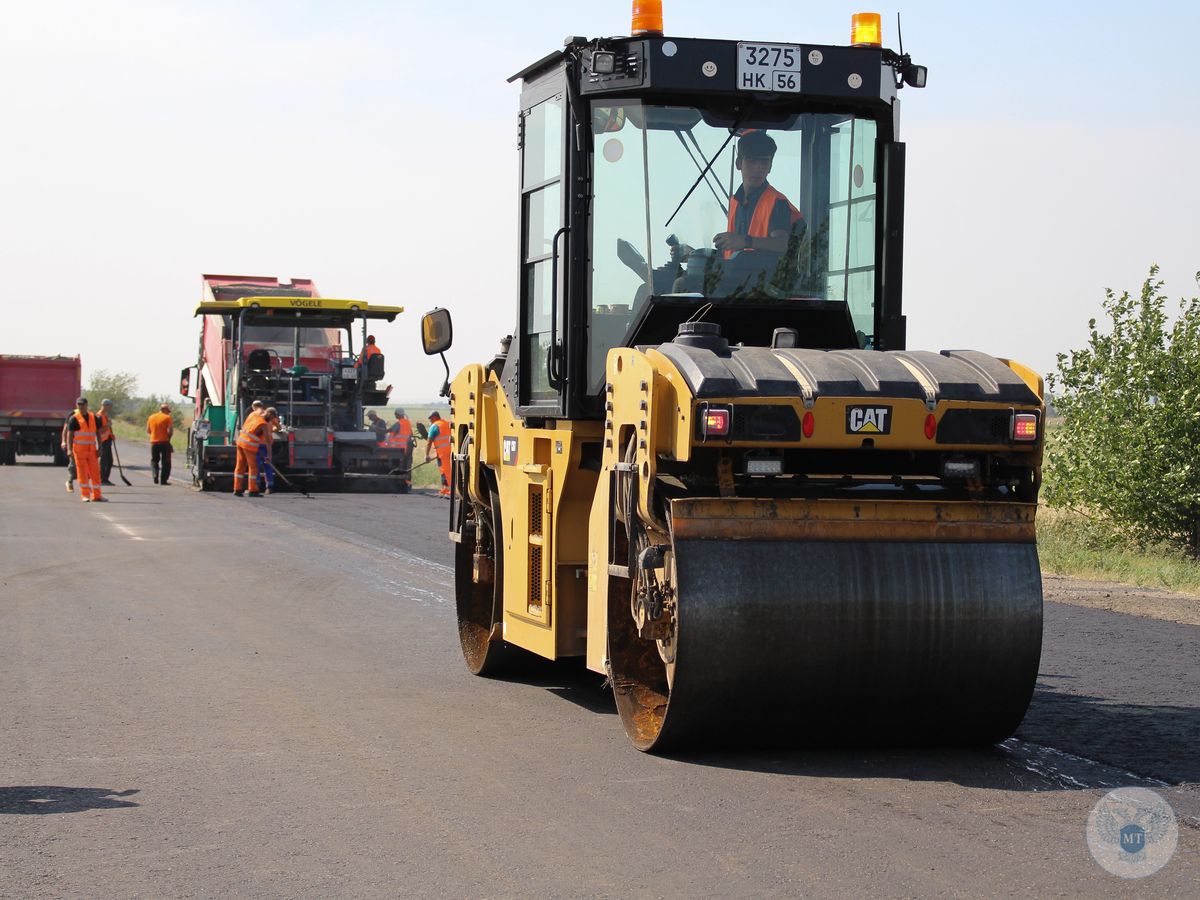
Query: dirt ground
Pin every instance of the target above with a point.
(1153, 603)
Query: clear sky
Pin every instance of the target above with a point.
(372, 146)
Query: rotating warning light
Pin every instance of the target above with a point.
(647, 17)
(1024, 426)
(866, 30)
(716, 422)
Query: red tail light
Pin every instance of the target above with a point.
(291, 448)
(1024, 427)
(930, 426)
(716, 422)
(808, 425)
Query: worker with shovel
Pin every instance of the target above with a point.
(439, 443)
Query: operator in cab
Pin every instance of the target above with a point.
(369, 349)
(761, 219)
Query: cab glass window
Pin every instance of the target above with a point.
(786, 210)
(542, 216)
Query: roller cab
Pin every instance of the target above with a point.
(706, 461)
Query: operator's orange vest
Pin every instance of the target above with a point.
(368, 351)
(86, 435)
(248, 437)
(760, 219)
(105, 427)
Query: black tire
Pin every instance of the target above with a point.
(60, 456)
(8, 453)
(476, 603)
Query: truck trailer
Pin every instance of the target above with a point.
(284, 344)
(37, 393)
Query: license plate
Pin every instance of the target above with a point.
(771, 68)
(350, 372)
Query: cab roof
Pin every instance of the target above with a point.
(324, 307)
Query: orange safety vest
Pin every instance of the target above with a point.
(440, 439)
(86, 435)
(401, 437)
(368, 351)
(105, 427)
(248, 437)
(760, 219)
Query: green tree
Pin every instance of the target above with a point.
(119, 387)
(1126, 453)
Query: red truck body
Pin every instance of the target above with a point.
(37, 393)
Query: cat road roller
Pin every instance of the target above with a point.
(705, 460)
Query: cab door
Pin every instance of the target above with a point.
(543, 245)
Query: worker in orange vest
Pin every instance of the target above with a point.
(255, 432)
(107, 439)
(439, 443)
(161, 427)
(368, 350)
(83, 432)
(761, 219)
(401, 435)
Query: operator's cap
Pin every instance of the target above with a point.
(434, 415)
(79, 400)
(756, 145)
(106, 402)
(399, 411)
(165, 407)
(370, 338)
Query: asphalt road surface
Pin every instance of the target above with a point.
(210, 697)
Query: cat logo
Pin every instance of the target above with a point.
(868, 420)
(508, 451)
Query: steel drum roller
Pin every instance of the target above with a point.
(817, 641)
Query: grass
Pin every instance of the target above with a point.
(1069, 544)
(131, 431)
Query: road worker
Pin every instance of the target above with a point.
(253, 434)
(160, 426)
(83, 430)
(107, 438)
(71, 475)
(439, 443)
(369, 349)
(401, 435)
(266, 463)
(378, 426)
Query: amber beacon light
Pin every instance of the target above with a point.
(865, 30)
(648, 17)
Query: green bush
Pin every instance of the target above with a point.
(1125, 453)
(119, 387)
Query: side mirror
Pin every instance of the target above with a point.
(437, 332)
(185, 382)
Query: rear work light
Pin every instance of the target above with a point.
(1024, 426)
(716, 422)
(764, 465)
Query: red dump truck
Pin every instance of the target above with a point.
(37, 393)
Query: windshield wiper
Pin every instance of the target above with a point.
(732, 133)
(721, 197)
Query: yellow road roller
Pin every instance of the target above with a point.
(705, 461)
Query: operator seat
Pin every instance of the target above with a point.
(374, 368)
